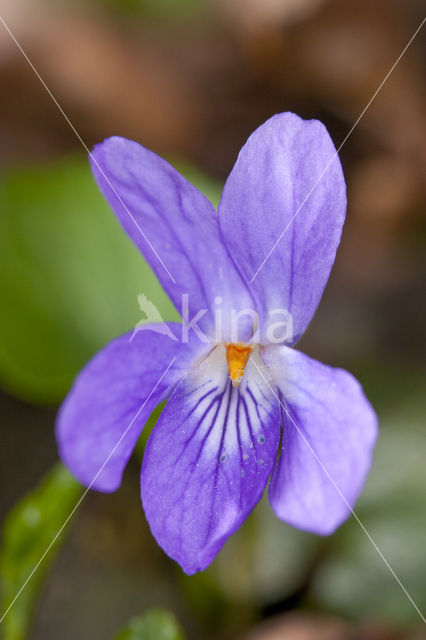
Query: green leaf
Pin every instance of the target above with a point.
(69, 278)
(152, 625)
(28, 530)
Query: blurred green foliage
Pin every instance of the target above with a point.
(152, 625)
(69, 276)
(28, 531)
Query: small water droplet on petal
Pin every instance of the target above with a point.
(261, 439)
(223, 457)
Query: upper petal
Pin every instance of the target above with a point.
(329, 433)
(281, 215)
(208, 460)
(174, 226)
(102, 416)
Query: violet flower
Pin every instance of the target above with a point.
(209, 458)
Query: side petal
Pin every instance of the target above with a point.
(208, 460)
(329, 434)
(174, 226)
(281, 216)
(103, 415)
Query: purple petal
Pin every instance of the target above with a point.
(208, 460)
(101, 418)
(329, 433)
(263, 208)
(174, 226)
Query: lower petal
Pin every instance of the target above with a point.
(329, 433)
(208, 460)
(105, 411)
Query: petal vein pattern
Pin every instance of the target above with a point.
(208, 460)
(264, 201)
(116, 391)
(168, 218)
(329, 432)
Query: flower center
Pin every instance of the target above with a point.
(237, 355)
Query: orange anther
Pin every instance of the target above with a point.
(237, 355)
